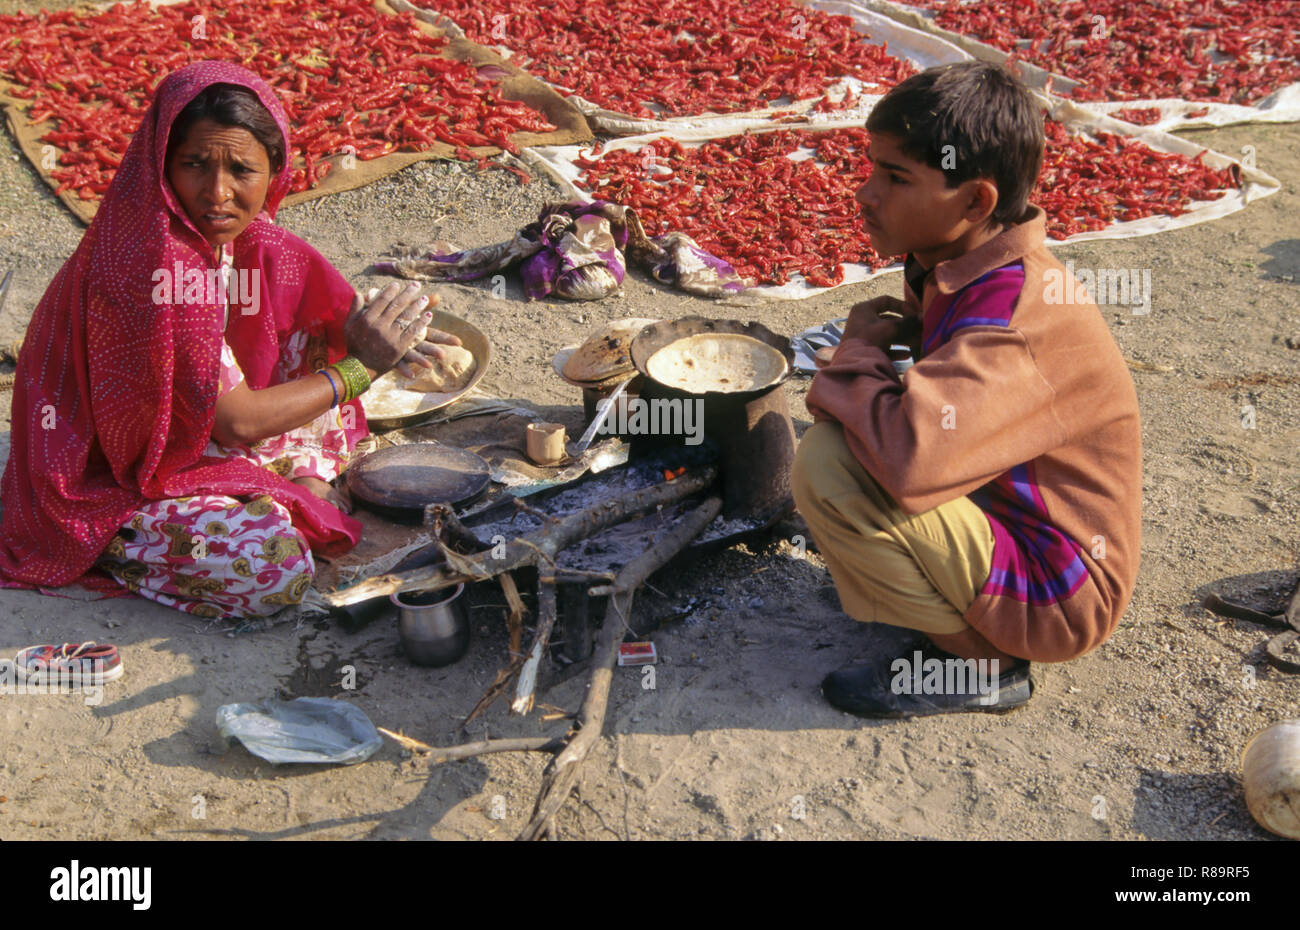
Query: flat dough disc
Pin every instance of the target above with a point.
(392, 396)
(386, 399)
(449, 373)
(725, 363)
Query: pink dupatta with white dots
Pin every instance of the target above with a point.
(115, 394)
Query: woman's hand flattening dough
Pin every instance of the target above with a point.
(422, 356)
(426, 347)
(379, 332)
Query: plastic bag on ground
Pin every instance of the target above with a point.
(301, 730)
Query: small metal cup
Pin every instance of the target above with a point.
(434, 627)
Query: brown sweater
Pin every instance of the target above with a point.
(1027, 407)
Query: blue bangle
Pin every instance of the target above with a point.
(333, 389)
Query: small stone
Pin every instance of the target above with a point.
(756, 602)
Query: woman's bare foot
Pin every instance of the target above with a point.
(325, 491)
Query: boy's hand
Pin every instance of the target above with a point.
(867, 323)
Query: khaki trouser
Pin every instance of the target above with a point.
(920, 571)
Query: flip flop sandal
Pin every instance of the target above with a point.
(72, 662)
(822, 336)
(1277, 646)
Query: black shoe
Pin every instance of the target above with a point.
(954, 685)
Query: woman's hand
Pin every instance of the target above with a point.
(391, 329)
(379, 332)
(339, 497)
(425, 351)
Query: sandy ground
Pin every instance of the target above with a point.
(1139, 740)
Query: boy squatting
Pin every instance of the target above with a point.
(990, 498)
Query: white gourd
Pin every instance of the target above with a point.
(1271, 775)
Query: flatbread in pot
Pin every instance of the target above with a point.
(608, 352)
(724, 363)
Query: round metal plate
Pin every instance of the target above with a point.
(666, 332)
(406, 479)
(473, 339)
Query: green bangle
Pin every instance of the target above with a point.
(354, 377)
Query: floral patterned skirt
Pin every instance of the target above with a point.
(216, 556)
(212, 556)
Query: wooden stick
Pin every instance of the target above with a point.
(515, 621)
(1147, 366)
(523, 701)
(441, 520)
(406, 742)
(524, 507)
(440, 754)
(562, 772)
(576, 576)
(494, 691)
(550, 539)
(515, 624)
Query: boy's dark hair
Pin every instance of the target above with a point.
(231, 105)
(992, 123)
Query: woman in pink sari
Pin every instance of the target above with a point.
(187, 388)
